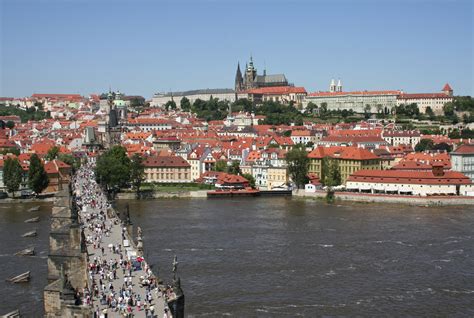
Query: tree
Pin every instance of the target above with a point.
(52, 153)
(243, 104)
(137, 172)
(69, 159)
(10, 124)
(334, 177)
(234, 168)
(379, 108)
(12, 175)
(298, 162)
(442, 146)
(37, 177)
(113, 169)
(15, 151)
(185, 104)
(311, 108)
(325, 165)
(429, 111)
(250, 179)
(424, 144)
(221, 165)
(171, 104)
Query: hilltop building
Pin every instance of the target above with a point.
(358, 101)
(250, 79)
(435, 101)
(377, 101)
(160, 99)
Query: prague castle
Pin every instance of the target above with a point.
(250, 79)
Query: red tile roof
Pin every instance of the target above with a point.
(166, 161)
(277, 90)
(464, 149)
(338, 152)
(447, 88)
(363, 93)
(411, 177)
(424, 95)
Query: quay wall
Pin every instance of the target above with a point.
(161, 195)
(397, 199)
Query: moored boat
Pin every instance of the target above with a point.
(30, 234)
(33, 220)
(26, 252)
(233, 193)
(34, 209)
(22, 278)
(12, 314)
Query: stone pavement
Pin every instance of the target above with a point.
(112, 235)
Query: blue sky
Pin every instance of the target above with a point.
(143, 47)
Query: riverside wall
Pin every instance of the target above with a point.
(161, 195)
(397, 199)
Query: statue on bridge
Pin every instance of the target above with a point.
(175, 266)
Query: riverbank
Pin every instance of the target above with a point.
(163, 194)
(383, 198)
(29, 200)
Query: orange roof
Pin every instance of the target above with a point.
(327, 94)
(55, 165)
(411, 177)
(165, 161)
(447, 88)
(464, 149)
(338, 152)
(424, 95)
(277, 90)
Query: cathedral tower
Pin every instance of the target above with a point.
(250, 74)
(239, 81)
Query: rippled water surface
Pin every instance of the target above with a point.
(28, 297)
(280, 257)
(283, 257)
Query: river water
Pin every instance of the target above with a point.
(28, 297)
(282, 257)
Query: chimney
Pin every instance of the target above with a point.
(438, 169)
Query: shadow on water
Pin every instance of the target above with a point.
(28, 297)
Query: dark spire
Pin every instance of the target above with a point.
(238, 79)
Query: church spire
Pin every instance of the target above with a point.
(239, 81)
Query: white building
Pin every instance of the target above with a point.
(337, 99)
(418, 183)
(401, 137)
(160, 99)
(435, 101)
(149, 123)
(462, 160)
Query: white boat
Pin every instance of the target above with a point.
(12, 314)
(34, 209)
(33, 220)
(30, 234)
(26, 252)
(22, 278)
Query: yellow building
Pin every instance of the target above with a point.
(276, 177)
(167, 169)
(349, 160)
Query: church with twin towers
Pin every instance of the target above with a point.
(250, 79)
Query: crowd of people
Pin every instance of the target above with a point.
(112, 290)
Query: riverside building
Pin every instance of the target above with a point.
(419, 183)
